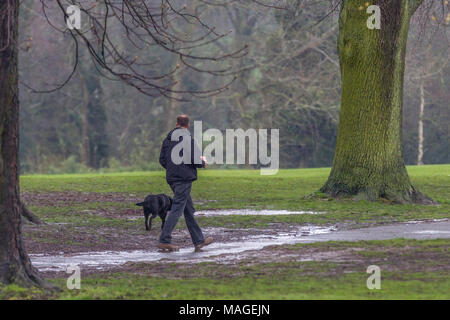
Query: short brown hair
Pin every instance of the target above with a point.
(183, 120)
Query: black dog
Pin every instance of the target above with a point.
(155, 205)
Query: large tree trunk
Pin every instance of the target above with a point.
(94, 139)
(15, 265)
(368, 162)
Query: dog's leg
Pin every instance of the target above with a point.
(150, 222)
(147, 216)
(162, 224)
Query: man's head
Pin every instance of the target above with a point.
(183, 121)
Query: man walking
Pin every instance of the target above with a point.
(179, 176)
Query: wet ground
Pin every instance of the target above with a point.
(247, 212)
(70, 198)
(231, 245)
(120, 239)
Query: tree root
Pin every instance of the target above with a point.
(27, 214)
(410, 196)
(419, 198)
(25, 276)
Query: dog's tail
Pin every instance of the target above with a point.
(140, 204)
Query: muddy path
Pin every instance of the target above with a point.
(233, 245)
(70, 198)
(66, 238)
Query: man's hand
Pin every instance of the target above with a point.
(204, 160)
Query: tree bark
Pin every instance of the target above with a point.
(368, 162)
(29, 215)
(420, 125)
(15, 265)
(174, 104)
(85, 145)
(94, 139)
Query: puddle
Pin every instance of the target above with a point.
(113, 258)
(417, 230)
(422, 221)
(235, 250)
(247, 212)
(431, 232)
(240, 212)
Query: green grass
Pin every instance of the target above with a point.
(292, 285)
(228, 185)
(405, 274)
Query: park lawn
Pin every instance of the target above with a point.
(218, 189)
(410, 269)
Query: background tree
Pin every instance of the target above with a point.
(368, 162)
(51, 124)
(426, 90)
(298, 85)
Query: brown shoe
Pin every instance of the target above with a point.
(207, 242)
(168, 247)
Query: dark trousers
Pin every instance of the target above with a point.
(182, 203)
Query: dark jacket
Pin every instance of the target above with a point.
(184, 171)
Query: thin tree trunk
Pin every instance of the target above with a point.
(85, 145)
(368, 162)
(15, 265)
(420, 129)
(174, 105)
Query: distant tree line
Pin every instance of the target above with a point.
(289, 79)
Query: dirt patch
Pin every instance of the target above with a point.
(70, 198)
